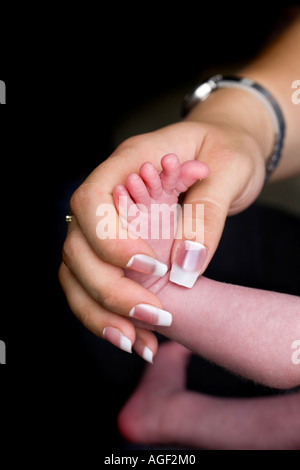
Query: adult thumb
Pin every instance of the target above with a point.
(200, 226)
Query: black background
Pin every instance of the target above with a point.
(76, 77)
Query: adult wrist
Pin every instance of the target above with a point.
(237, 109)
(240, 110)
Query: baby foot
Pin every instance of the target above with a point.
(148, 205)
(148, 416)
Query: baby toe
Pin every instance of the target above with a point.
(123, 202)
(190, 172)
(171, 171)
(152, 180)
(138, 190)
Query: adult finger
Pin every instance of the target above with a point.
(93, 206)
(116, 329)
(146, 344)
(206, 206)
(93, 316)
(107, 284)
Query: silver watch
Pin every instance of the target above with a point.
(202, 92)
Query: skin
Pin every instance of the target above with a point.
(161, 411)
(249, 331)
(231, 132)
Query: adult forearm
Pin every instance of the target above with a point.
(276, 69)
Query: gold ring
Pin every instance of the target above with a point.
(69, 217)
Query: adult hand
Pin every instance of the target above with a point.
(233, 143)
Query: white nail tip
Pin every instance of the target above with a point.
(130, 262)
(164, 318)
(148, 355)
(125, 344)
(160, 269)
(183, 278)
(131, 312)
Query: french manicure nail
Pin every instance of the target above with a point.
(148, 355)
(147, 265)
(116, 337)
(143, 351)
(150, 314)
(188, 262)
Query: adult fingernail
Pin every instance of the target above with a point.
(150, 314)
(188, 262)
(147, 355)
(147, 265)
(116, 337)
(143, 351)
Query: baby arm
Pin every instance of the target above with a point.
(248, 331)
